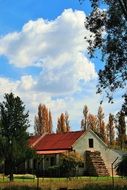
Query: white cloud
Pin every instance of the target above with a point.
(26, 82)
(65, 78)
(57, 47)
(6, 85)
(41, 39)
(72, 103)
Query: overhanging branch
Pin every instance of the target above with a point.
(123, 5)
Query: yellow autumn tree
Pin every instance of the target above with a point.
(43, 121)
(111, 130)
(63, 125)
(101, 124)
(92, 122)
(84, 121)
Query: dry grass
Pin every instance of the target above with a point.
(72, 183)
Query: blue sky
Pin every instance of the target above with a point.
(43, 58)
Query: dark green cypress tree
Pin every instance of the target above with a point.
(14, 138)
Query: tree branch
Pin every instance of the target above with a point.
(123, 7)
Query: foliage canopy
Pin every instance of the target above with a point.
(109, 35)
(13, 136)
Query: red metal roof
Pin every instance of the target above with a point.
(33, 139)
(61, 141)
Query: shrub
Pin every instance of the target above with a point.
(122, 167)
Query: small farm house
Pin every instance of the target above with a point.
(97, 157)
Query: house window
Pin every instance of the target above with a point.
(91, 143)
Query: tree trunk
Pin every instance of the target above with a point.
(11, 177)
(9, 169)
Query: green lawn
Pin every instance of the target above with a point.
(29, 182)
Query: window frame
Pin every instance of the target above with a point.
(91, 143)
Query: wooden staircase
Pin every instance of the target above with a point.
(95, 164)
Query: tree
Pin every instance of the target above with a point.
(43, 122)
(121, 128)
(50, 122)
(63, 123)
(37, 128)
(1, 144)
(109, 35)
(121, 167)
(92, 122)
(67, 122)
(101, 124)
(13, 135)
(69, 163)
(103, 132)
(110, 129)
(61, 128)
(84, 120)
(100, 117)
(124, 106)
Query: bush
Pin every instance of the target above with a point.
(24, 176)
(53, 171)
(122, 167)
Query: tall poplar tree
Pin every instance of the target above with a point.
(85, 118)
(121, 128)
(92, 122)
(50, 124)
(101, 124)
(67, 122)
(110, 129)
(43, 122)
(63, 123)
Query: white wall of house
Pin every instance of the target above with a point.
(108, 155)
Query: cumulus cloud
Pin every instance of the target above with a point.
(6, 85)
(57, 47)
(72, 103)
(41, 39)
(26, 82)
(66, 78)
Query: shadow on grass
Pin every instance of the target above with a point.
(20, 188)
(103, 187)
(87, 187)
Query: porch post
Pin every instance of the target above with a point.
(57, 159)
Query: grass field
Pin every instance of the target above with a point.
(29, 182)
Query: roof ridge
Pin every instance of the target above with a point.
(34, 144)
(62, 133)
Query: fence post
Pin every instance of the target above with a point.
(112, 166)
(38, 176)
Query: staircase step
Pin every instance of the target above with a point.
(96, 165)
